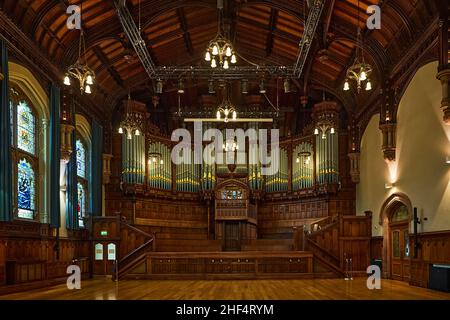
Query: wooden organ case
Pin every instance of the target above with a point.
(235, 214)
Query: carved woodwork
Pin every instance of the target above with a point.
(388, 131)
(66, 142)
(444, 77)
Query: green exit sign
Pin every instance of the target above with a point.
(104, 233)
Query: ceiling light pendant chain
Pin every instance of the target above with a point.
(80, 69)
(359, 71)
(220, 51)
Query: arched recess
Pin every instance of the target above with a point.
(387, 209)
(83, 127)
(23, 78)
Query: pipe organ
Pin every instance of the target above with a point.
(303, 166)
(133, 159)
(188, 176)
(304, 162)
(326, 116)
(159, 172)
(277, 180)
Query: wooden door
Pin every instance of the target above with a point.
(232, 236)
(400, 252)
(104, 258)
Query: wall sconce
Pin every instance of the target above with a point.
(389, 185)
(447, 160)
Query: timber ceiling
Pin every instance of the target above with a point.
(177, 32)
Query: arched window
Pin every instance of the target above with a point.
(24, 146)
(82, 180)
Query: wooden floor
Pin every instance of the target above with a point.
(314, 289)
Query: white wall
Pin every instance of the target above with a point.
(420, 170)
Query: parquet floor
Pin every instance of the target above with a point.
(310, 289)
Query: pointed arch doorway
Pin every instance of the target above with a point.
(395, 217)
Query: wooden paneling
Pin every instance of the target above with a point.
(28, 249)
(376, 248)
(217, 265)
(434, 248)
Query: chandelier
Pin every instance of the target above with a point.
(325, 124)
(306, 155)
(359, 71)
(132, 122)
(226, 111)
(155, 158)
(80, 70)
(220, 51)
(230, 146)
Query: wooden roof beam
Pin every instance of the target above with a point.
(106, 63)
(184, 28)
(272, 26)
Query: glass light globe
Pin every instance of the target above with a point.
(363, 76)
(67, 80)
(89, 80)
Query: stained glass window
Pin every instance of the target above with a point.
(25, 128)
(400, 214)
(81, 159)
(81, 209)
(26, 191)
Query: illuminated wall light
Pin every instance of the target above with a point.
(389, 185)
(447, 160)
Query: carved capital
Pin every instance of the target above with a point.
(66, 142)
(107, 168)
(388, 131)
(444, 77)
(354, 166)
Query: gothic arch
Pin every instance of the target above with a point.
(387, 209)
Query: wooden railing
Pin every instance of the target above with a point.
(235, 209)
(136, 255)
(339, 238)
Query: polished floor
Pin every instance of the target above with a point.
(314, 289)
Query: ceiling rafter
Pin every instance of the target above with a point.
(272, 25)
(106, 63)
(308, 36)
(184, 28)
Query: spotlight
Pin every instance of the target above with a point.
(211, 86)
(180, 86)
(159, 86)
(389, 185)
(287, 85)
(262, 88)
(244, 86)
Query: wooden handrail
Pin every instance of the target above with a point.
(148, 235)
(129, 260)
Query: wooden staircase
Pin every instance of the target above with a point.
(146, 243)
(338, 238)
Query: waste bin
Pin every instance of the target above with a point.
(439, 278)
